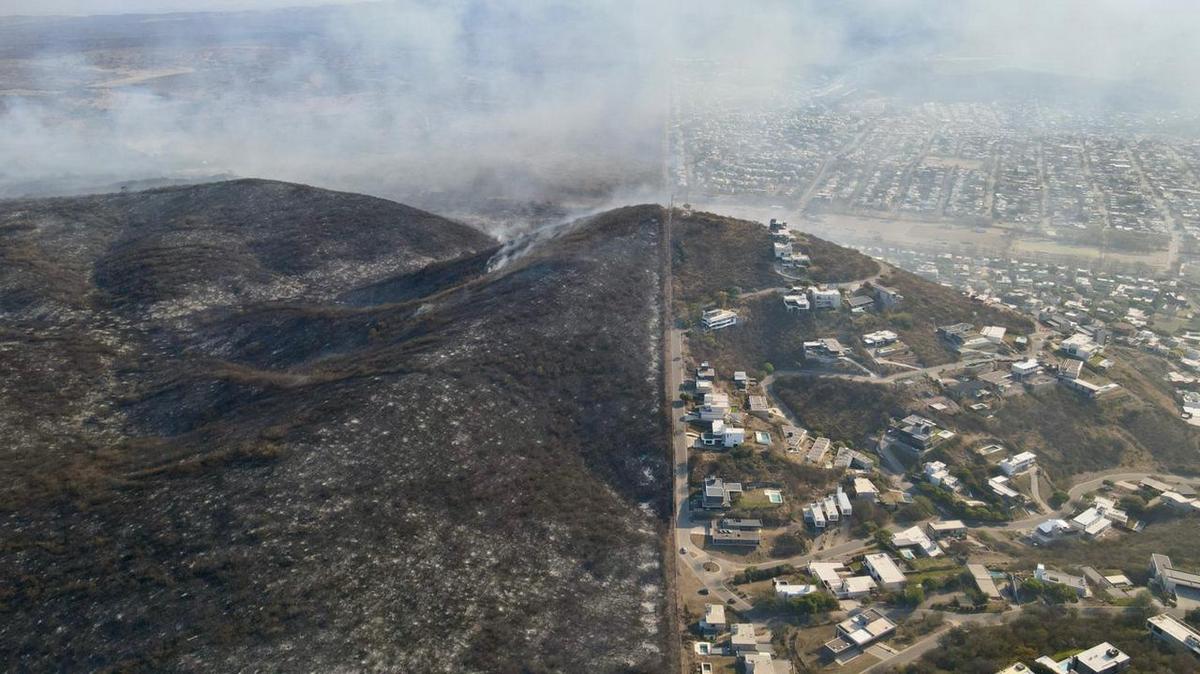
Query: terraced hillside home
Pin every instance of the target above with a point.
(918, 433)
(796, 301)
(825, 298)
(1174, 632)
(1018, 463)
(716, 319)
(1184, 585)
(1077, 583)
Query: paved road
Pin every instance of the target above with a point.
(693, 557)
(1035, 491)
(1093, 482)
(873, 378)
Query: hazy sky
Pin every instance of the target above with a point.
(464, 90)
(85, 7)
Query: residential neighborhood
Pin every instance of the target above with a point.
(799, 527)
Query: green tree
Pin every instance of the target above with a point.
(1142, 604)
(814, 603)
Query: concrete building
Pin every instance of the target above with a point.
(734, 538)
(714, 618)
(879, 338)
(919, 433)
(716, 319)
(719, 494)
(827, 349)
(866, 490)
(994, 333)
(830, 298)
(859, 631)
(815, 515)
(1099, 659)
(742, 638)
(788, 590)
(796, 302)
(1080, 346)
(886, 298)
(984, 581)
(915, 537)
(1052, 529)
(1077, 583)
(715, 407)
(1025, 368)
(1175, 632)
(1170, 579)
(884, 570)
(1018, 463)
(947, 529)
(837, 579)
(844, 503)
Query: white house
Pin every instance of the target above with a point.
(1080, 346)
(715, 319)
(1099, 659)
(1174, 632)
(1091, 522)
(714, 618)
(951, 528)
(1077, 583)
(844, 503)
(884, 570)
(994, 333)
(830, 298)
(1052, 529)
(938, 474)
(788, 590)
(816, 515)
(715, 407)
(999, 486)
(831, 512)
(796, 302)
(916, 537)
(865, 489)
(859, 631)
(880, 338)
(1018, 463)
(743, 640)
(725, 436)
(835, 577)
(1025, 368)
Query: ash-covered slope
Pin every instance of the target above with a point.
(259, 426)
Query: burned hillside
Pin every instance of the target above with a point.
(258, 425)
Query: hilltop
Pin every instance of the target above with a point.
(258, 424)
